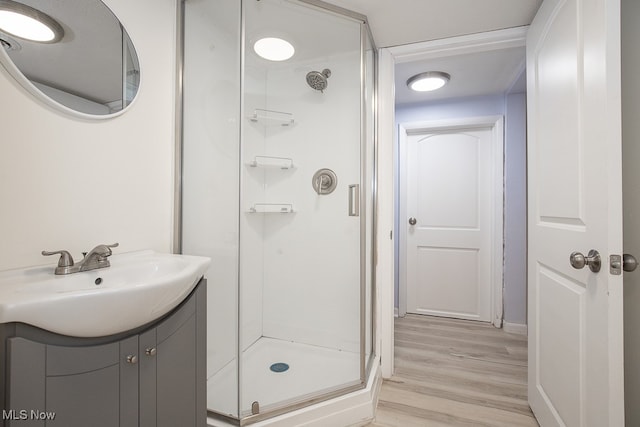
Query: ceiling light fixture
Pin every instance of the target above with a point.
(25, 22)
(426, 82)
(274, 49)
(9, 43)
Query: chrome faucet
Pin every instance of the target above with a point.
(95, 258)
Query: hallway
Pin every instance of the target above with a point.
(451, 372)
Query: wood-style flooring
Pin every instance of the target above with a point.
(452, 372)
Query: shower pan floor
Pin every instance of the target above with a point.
(311, 369)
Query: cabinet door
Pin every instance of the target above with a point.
(129, 382)
(87, 398)
(176, 368)
(73, 386)
(25, 382)
(173, 367)
(148, 350)
(176, 380)
(83, 385)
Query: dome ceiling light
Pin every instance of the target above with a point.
(426, 82)
(25, 22)
(274, 49)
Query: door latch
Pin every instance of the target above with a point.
(618, 263)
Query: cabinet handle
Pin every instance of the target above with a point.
(150, 351)
(133, 359)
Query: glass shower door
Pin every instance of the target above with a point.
(210, 180)
(277, 190)
(300, 221)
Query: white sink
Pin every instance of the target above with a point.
(138, 288)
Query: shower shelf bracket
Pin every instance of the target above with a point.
(271, 162)
(271, 208)
(270, 117)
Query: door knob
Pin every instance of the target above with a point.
(413, 221)
(592, 259)
(629, 262)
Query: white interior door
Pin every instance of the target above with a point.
(450, 200)
(574, 197)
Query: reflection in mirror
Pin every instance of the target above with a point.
(89, 65)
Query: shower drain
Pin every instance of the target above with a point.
(279, 367)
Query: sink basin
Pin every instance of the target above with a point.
(138, 288)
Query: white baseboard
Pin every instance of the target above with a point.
(515, 328)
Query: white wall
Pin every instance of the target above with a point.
(512, 107)
(448, 109)
(515, 209)
(67, 183)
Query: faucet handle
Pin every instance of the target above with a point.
(103, 250)
(115, 245)
(66, 260)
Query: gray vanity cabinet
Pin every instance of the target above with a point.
(155, 377)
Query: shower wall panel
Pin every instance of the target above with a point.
(253, 191)
(312, 258)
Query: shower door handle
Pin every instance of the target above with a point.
(354, 200)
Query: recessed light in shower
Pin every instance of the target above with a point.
(274, 49)
(25, 22)
(426, 82)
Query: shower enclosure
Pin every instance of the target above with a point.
(278, 184)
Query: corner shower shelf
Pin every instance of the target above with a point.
(272, 162)
(271, 208)
(270, 117)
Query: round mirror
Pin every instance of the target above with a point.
(72, 54)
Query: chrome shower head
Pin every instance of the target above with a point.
(318, 80)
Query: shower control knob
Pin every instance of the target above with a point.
(413, 221)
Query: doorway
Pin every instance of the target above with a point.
(501, 95)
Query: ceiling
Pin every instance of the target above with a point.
(472, 74)
(403, 22)
(88, 60)
(400, 22)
